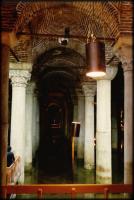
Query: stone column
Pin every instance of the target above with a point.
(114, 133)
(4, 80)
(128, 122)
(123, 50)
(81, 119)
(29, 125)
(89, 153)
(35, 124)
(75, 118)
(19, 80)
(75, 110)
(103, 132)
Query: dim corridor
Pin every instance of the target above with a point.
(55, 156)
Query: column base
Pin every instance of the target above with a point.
(28, 167)
(128, 173)
(21, 179)
(80, 150)
(89, 166)
(80, 161)
(103, 180)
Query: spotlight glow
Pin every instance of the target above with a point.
(95, 74)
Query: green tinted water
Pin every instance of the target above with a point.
(80, 175)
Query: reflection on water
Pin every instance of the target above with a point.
(79, 175)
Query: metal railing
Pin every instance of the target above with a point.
(72, 189)
(13, 172)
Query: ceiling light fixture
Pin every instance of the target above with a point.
(64, 40)
(95, 56)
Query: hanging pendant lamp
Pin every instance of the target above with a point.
(95, 56)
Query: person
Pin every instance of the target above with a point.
(10, 156)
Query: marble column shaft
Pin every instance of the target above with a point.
(81, 119)
(89, 152)
(29, 124)
(103, 132)
(114, 133)
(123, 50)
(75, 119)
(19, 80)
(75, 113)
(128, 123)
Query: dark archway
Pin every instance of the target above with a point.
(57, 76)
(56, 112)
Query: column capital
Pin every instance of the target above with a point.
(89, 88)
(36, 92)
(127, 66)
(74, 99)
(123, 49)
(111, 72)
(79, 92)
(19, 78)
(30, 88)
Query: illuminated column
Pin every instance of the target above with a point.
(89, 153)
(128, 122)
(103, 132)
(19, 80)
(81, 119)
(123, 49)
(29, 124)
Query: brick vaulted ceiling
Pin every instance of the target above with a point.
(37, 24)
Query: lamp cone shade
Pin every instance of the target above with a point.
(95, 56)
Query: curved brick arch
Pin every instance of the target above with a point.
(60, 59)
(109, 19)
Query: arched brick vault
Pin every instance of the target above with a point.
(108, 20)
(53, 17)
(80, 16)
(59, 61)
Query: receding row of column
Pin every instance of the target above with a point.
(103, 122)
(126, 60)
(22, 142)
(89, 153)
(123, 50)
(28, 142)
(24, 118)
(103, 126)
